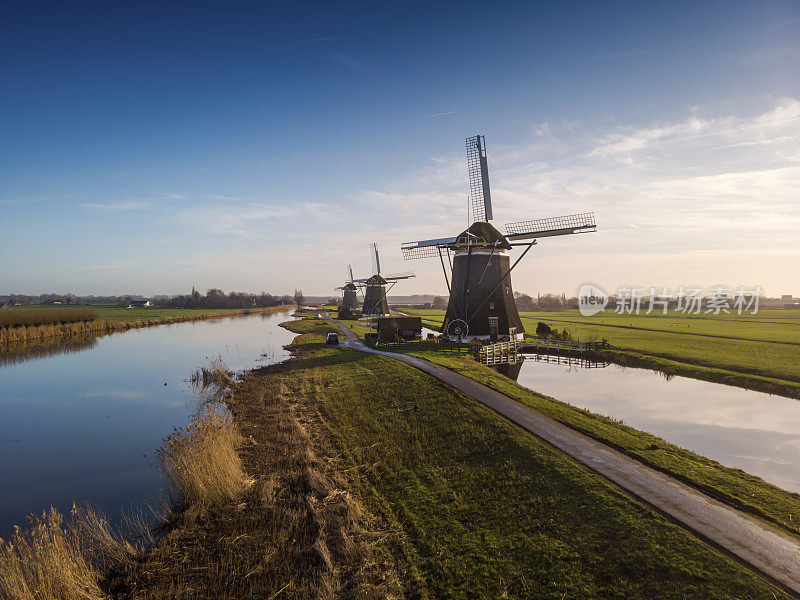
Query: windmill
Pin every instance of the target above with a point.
(349, 304)
(481, 301)
(375, 304)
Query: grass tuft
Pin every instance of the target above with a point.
(201, 459)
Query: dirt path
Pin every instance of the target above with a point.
(766, 549)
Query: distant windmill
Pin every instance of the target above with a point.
(349, 304)
(375, 304)
(481, 301)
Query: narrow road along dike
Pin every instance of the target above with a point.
(764, 548)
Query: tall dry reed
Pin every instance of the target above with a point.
(201, 459)
(19, 317)
(52, 560)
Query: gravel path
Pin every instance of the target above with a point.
(766, 549)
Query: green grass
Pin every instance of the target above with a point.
(730, 486)
(755, 351)
(484, 509)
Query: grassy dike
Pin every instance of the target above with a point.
(734, 487)
(474, 507)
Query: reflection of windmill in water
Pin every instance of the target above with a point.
(481, 301)
(349, 306)
(375, 287)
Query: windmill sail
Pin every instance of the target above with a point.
(376, 263)
(539, 228)
(479, 194)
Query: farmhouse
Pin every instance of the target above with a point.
(138, 304)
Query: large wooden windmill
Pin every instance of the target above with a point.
(375, 287)
(481, 301)
(349, 305)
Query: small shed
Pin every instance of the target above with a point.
(391, 329)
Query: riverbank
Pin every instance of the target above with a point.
(366, 478)
(758, 352)
(117, 320)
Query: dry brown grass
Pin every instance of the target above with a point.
(201, 459)
(19, 317)
(36, 333)
(296, 532)
(52, 560)
(211, 382)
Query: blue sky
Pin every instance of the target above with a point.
(150, 147)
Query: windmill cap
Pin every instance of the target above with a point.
(481, 229)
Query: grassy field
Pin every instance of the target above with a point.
(728, 485)
(481, 509)
(757, 351)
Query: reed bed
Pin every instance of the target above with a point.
(36, 333)
(54, 559)
(31, 317)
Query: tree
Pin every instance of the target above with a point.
(439, 302)
(523, 301)
(299, 299)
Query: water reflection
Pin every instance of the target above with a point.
(568, 361)
(510, 370)
(21, 352)
(85, 425)
(752, 431)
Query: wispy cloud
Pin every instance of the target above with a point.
(114, 206)
(787, 112)
(323, 39)
(441, 114)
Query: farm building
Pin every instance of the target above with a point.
(392, 329)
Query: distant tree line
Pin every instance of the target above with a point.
(213, 298)
(216, 298)
(526, 303)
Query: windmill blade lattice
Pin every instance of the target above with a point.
(552, 226)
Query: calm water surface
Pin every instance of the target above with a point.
(85, 425)
(756, 432)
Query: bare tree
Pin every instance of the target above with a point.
(299, 299)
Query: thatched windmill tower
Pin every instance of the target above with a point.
(349, 306)
(481, 301)
(375, 287)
